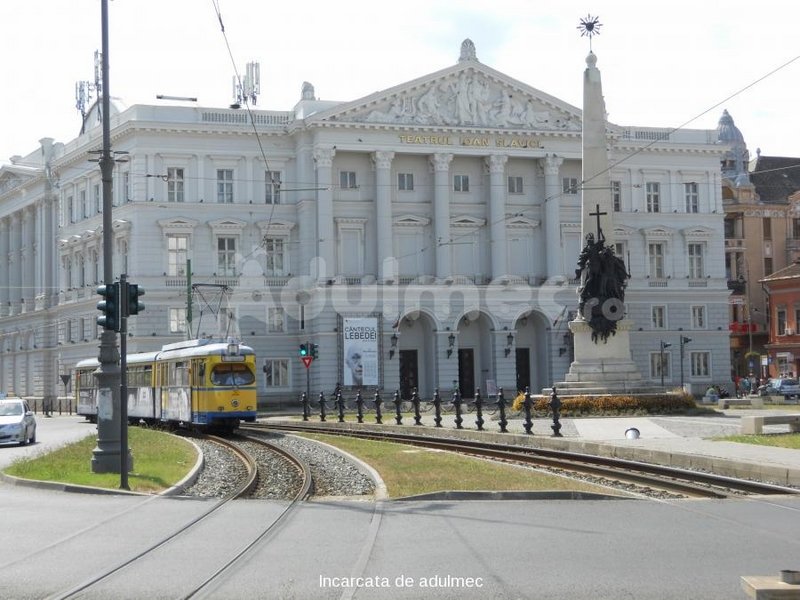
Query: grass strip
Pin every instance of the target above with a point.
(159, 461)
(409, 470)
(780, 440)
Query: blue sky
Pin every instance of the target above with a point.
(662, 64)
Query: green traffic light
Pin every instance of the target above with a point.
(303, 350)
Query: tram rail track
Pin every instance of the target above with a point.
(698, 484)
(243, 490)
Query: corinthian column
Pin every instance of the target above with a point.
(552, 209)
(383, 212)
(441, 212)
(15, 265)
(28, 257)
(497, 214)
(323, 158)
(5, 267)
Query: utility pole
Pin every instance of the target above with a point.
(107, 456)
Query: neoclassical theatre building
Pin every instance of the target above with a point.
(423, 236)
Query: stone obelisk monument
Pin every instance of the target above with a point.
(600, 332)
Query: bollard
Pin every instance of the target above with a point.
(322, 406)
(457, 404)
(415, 401)
(340, 405)
(437, 407)
(555, 405)
(479, 410)
(501, 404)
(306, 407)
(397, 401)
(360, 407)
(528, 404)
(378, 402)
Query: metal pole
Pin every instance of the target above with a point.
(681, 362)
(189, 298)
(105, 457)
(123, 383)
(662, 364)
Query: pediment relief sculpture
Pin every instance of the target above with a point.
(466, 98)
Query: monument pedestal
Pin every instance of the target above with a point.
(602, 367)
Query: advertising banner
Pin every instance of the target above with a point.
(360, 345)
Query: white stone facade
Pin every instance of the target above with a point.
(447, 207)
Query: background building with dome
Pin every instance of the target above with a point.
(435, 225)
(762, 237)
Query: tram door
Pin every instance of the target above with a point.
(466, 372)
(523, 369)
(409, 373)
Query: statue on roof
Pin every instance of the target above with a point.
(307, 92)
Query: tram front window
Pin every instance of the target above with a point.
(232, 375)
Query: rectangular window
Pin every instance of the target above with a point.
(616, 195)
(653, 193)
(126, 186)
(700, 364)
(695, 253)
(460, 183)
(796, 229)
(781, 324)
(84, 208)
(226, 256)
(277, 372)
(175, 184)
(515, 185)
(177, 320)
(569, 185)
(698, 317)
(98, 202)
(658, 318)
(177, 254)
(275, 249)
(405, 182)
(659, 363)
(767, 266)
(70, 210)
(767, 224)
(277, 321)
(655, 253)
(692, 197)
(347, 180)
(225, 186)
(272, 187)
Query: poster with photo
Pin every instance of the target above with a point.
(360, 346)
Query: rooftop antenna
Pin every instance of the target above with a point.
(247, 89)
(84, 89)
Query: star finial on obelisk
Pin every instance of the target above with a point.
(590, 26)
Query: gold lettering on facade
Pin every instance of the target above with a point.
(472, 141)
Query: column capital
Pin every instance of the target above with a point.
(496, 163)
(550, 164)
(323, 155)
(382, 159)
(440, 162)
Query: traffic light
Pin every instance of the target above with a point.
(303, 350)
(685, 340)
(314, 349)
(109, 306)
(665, 345)
(134, 306)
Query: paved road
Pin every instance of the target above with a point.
(593, 549)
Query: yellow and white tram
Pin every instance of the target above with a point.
(202, 383)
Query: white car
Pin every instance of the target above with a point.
(17, 423)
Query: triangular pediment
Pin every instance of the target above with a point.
(12, 176)
(468, 94)
(467, 221)
(411, 221)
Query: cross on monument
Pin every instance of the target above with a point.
(598, 214)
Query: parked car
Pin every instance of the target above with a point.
(781, 386)
(17, 423)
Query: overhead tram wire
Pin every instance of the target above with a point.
(452, 241)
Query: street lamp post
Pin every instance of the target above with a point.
(684, 340)
(664, 345)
